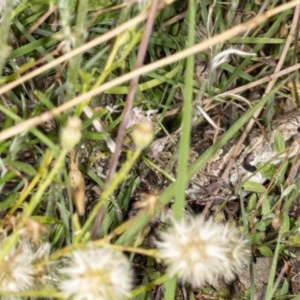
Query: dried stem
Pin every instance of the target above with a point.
(128, 105)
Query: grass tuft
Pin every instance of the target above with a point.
(157, 90)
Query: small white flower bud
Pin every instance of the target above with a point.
(142, 135)
(71, 134)
(276, 223)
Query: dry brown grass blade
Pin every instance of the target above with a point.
(128, 104)
(42, 19)
(132, 90)
(256, 83)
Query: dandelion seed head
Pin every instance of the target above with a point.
(199, 251)
(97, 273)
(16, 270)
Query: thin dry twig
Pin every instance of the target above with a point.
(132, 90)
(42, 19)
(128, 105)
(103, 11)
(56, 111)
(294, 61)
(243, 88)
(226, 35)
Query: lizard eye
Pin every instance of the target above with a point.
(247, 166)
(298, 129)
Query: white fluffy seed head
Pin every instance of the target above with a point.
(199, 251)
(97, 274)
(16, 270)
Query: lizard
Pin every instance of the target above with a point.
(258, 151)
